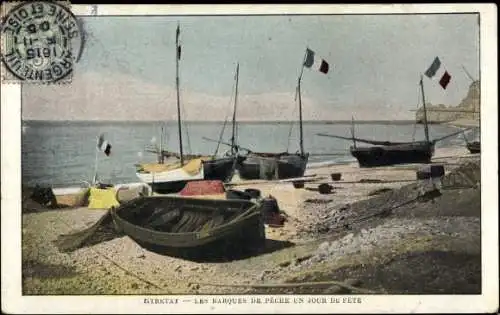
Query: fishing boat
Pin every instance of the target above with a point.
(282, 165)
(265, 165)
(174, 224)
(386, 153)
(474, 147)
(172, 177)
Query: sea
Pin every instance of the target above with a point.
(64, 153)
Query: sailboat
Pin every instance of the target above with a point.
(268, 166)
(172, 177)
(473, 93)
(386, 153)
(474, 147)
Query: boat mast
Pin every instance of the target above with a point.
(177, 58)
(352, 132)
(161, 147)
(426, 127)
(233, 137)
(301, 132)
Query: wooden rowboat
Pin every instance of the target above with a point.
(174, 223)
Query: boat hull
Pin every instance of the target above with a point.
(393, 155)
(221, 168)
(474, 147)
(268, 167)
(173, 181)
(189, 226)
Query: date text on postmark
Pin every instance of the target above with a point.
(39, 42)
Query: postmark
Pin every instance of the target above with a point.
(40, 42)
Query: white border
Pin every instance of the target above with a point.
(13, 302)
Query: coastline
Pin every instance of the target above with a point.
(464, 123)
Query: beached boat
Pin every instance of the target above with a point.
(261, 165)
(386, 153)
(282, 165)
(174, 223)
(474, 147)
(264, 165)
(414, 152)
(172, 177)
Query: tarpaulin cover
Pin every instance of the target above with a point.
(203, 187)
(102, 198)
(192, 167)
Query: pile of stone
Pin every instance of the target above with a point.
(394, 231)
(323, 218)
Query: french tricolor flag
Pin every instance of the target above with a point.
(103, 145)
(314, 62)
(437, 69)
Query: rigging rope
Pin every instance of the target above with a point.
(221, 135)
(293, 122)
(185, 125)
(415, 123)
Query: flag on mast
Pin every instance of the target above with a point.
(103, 145)
(436, 69)
(312, 61)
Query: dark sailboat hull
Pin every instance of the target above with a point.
(216, 169)
(393, 154)
(474, 147)
(270, 166)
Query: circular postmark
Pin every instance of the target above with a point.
(39, 41)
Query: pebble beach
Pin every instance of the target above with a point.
(341, 236)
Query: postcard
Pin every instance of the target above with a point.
(249, 158)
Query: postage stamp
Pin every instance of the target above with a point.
(41, 41)
(249, 158)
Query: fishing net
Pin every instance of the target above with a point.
(268, 168)
(101, 231)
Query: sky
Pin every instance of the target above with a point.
(127, 70)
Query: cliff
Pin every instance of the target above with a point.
(467, 110)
